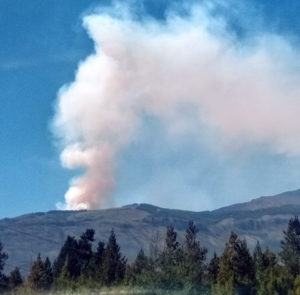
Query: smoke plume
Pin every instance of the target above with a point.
(247, 93)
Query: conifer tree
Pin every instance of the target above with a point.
(48, 273)
(68, 251)
(296, 287)
(169, 255)
(94, 268)
(3, 258)
(140, 271)
(245, 266)
(4, 283)
(236, 272)
(37, 278)
(171, 239)
(114, 264)
(213, 269)
(98, 262)
(275, 280)
(271, 277)
(64, 279)
(257, 257)
(15, 279)
(194, 257)
(3, 278)
(264, 262)
(170, 260)
(141, 262)
(85, 253)
(226, 276)
(290, 245)
(100, 253)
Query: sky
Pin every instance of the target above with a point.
(146, 146)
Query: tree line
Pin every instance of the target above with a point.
(177, 266)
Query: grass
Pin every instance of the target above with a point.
(109, 291)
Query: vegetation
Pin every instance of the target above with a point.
(3, 278)
(178, 268)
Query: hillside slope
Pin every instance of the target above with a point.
(143, 226)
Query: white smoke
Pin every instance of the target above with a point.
(246, 94)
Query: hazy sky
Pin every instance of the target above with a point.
(42, 44)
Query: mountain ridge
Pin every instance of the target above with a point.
(143, 226)
(292, 197)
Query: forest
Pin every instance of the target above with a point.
(86, 267)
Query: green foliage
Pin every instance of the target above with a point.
(15, 279)
(265, 263)
(85, 253)
(48, 272)
(290, 244)
(92, 270)
(3, 278)
(193, 257)
(3, 283)
(64, 280)
(236, 274)
(257, 259)
(213, 269)
(275, 280)
(296, 289)
(68, 252)
(79, 255)
(141, 264)
(38, 278)
(3, 258)
(176, 269)
(114, 264)
(170, 260)
(96, 265)
(226, 275)
(78, 263)
(141, 272)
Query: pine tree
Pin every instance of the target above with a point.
(114, 264)
(169, 254)
(236, 272)
(296, 289)
(171, 239)
(226, 276)
(290, 245)
(3, 278)
(3, 258)
(63, 280)
(194, 257)
(4, 283)
(139, 272)
(15, 279)
(264, 262)
(275, 280)
(170, 260)
(37, 278)
(94, 268)
(245, 266)
(48, 273)
(85, 253)
(98, 262)
(69, 250)
(141, 263)
(100, 253)
(257, 257)
(213, 269)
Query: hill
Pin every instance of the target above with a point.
(143, 226)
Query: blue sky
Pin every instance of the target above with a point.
(41, 45)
